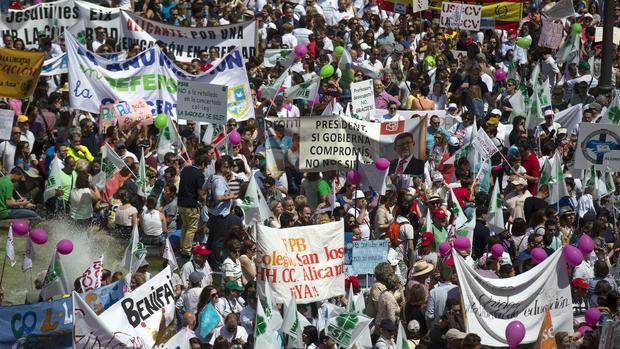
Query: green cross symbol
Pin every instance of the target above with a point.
(261, 325)
(295, 326)
(614, 114)
(52, 273)
(347, 321)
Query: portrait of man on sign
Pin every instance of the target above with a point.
(406, 163)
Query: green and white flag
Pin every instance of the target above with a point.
(53, 180)
(110, 161)
(401, 338)
(544, 94)
(496, 213)
(269, 91)
(293, 324)
(518, 104)
(264, 337)
(464, 152)
(569, 51)
(534, 112)
(55, 282)
(254, 206)
(535, 74)
(600, 184)
(467, 230)
(272, 56)
(552, 176)
(307, 90)
(169, 140)
(456, 210)
(347, 328)
(135, 253)
(273, 315)
(612, 114)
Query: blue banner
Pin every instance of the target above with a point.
(49, 324)
(367, 254)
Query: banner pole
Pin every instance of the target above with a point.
(2, 275)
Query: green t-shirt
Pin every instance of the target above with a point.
(323, 188)
(6, 192)
(67, 182)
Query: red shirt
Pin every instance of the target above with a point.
(532, 168)
(462, 195)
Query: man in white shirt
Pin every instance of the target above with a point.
(188, 302)
(230, 303)
(198, 263)
(7, 149)
(231, 331)
(549, 127)
(101, 35)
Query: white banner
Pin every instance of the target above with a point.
(460, 16)
(491, 304)
(186, 43)
(140, 312)
(363, 100)
(420, 5)
(7, 117)
(55, 66)
(305, 261)
(202, 101)
(484, 144)
(96, 81)
(91, 278)
(598, 145)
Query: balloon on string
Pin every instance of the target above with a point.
(500, 75)
(354, 177)
(586, 244)
(38, 236)
(515, 332)
(593, 315)
(462, 243)
(524, 42)
(576, 28)
(327, 71)
(572, 255)
(161, 121)
(445, 248)
(497, 250)
(20, 228)
(585, 329)
(64, 247)
(538, 255)
(338, 51)
(382, 164)
(301, 50)
(234, 137)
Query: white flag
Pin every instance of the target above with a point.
(142, 179)
(544, 95)
(484, 144)
(91, 277)
(254, 206)
(110, 161)
(347, 328)
(293, 324)
(457, 211)
(307, 90)
(570, 118)
(169, 256)
(274, 317)
(28, 255)
(612, 114)
(401, 338)
(496, 213)
(518, 104)
(135, 252)
(561, 9)
(569, 51)
(169, 140)
(264, 337)
(269, 91)
(55, 282)
(178, 341)
(10, 248)
(53, 180)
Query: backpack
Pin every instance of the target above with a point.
(393, 232)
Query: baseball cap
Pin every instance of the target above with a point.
(453, 334)
(549, 112)
(519, 181)
(358, 195)
(427, 239)
(580, 283)
(434, 197)
(201, 250)
(22, 118)
(388, 324)
(496, 112)
(398, 48)
(583, 65)
(588, 15)
(413, 326)
(364, 46)
(195, 277)
(437, 177)
(452, 106)
(439, 213)
(233, 286)
(493, 120)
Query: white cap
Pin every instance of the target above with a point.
(588, 15)
(549, 112)
(413, 326)
(496, 112)
(364, 46)
(358, 195)
(452, 106)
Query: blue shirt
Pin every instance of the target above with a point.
(219, 187)
(437, 299)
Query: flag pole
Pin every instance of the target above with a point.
(2, 275)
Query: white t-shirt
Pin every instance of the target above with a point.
(191, 267)
(239, 333)
(246, 318)
(232, 268)
(8, 156)
(364, 227)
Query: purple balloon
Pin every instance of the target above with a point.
(500, 75)
(462, 243)
(515, 332)
(234, 138)
(20, 228)
(584, 329)
(354, 177)
(64, 246)
(497, 250)
(538, 255)
(38, 236)
(301, 50)
(572, 255)
(592, 316)
(382, 164)
(586, 244)
(445, 248)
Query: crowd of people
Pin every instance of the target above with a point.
(199, 189)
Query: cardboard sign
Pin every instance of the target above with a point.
(363, 99)
(6, 123)
(201, 101)
(133, 113)
(460, 16)
(367, 254)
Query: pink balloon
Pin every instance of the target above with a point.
(445, 248)
(583, 329)
(572, 255)
(586, 244)
(593, 315)
(64, 246)
(20, 228)
(500, 75)
(515, 332)
(234, 138)
(462, 243)
(38, 236)
(301, 50)
(497, 250)
(538, 255)
(354, 177)
(382, 164)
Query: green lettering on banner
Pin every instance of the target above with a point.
(148, 82)
(122, 84)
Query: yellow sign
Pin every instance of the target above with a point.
(19, 72)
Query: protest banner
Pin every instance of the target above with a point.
(362, 100)
(419, 5)
(55, 66)
(96, 81)
(202, 101)
(186, 43)
(367, 254)
(460, 16)
(130, 114)
(50, 323)
(459, 54)
(598, 35)
(503, 15)
(484, 144)
(19, 72)
(490, 304)
(6, 123)
(561, 9)
(551, 34)
(598, 145)
(91, 278)
(141, 311)
(306, 261)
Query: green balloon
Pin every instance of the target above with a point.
(349, 74)
(524, 42)
(338, 51)
(161, 121)
(327, 71)
(575, 28)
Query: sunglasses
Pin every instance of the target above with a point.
(214, 295)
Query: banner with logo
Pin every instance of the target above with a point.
(141, 311)
(19, 72)
(53, 18)
(186, 43)
(598, 145)
(49, 324)
(491, 304)
(96, 81)
(306, 261)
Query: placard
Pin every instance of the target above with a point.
(363, 99)
(460, 16)
(6, 123)
(598, 145)
(367, 254)
(202, 101)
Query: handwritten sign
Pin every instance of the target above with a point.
(367, 254)
(363, 99)
(200, 101)
(460, 16)
(132, 113)
(6, 123)
(551, 34)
